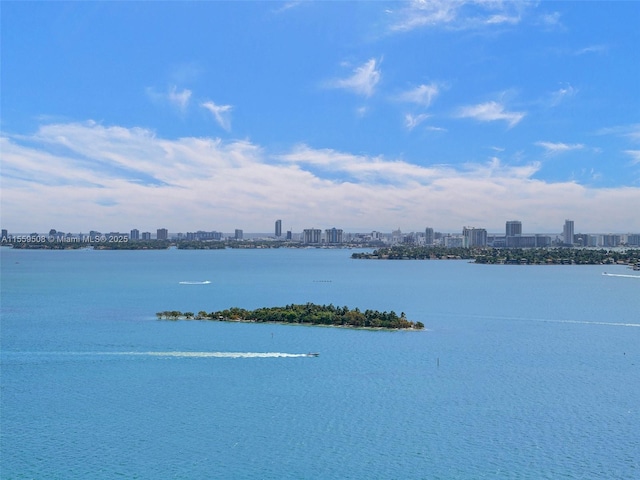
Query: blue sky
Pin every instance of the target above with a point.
(356, 115)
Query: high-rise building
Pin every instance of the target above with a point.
(311, 235)
(239, 234)
(278, 228)
(513, 228)
(428, 236)
(162, 234)
(474, 237)
(632, 239)
(135, 234)
(146, 235)
(567, 232)
(611, 240)
(333, 235)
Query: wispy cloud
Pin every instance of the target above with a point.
(635, 156)
(599, 49)
(421, 95)
(178, 99)
(632, 131)
(222, 113)
(131, 178)
(363, 81)
(490, 112)
(412, 121)
(553, 148)
(550, 19)
(563, 93)
(288, 6)
(456, 14)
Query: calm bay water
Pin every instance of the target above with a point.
(523, 372)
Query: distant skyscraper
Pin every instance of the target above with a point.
(311, 235)
(135, 234)
(278, 228)
(333, 235)
(145, 235)
(428, 236)
(239, 234)
(514, 227)
(567, 232)
(162, 234)
(474, 237)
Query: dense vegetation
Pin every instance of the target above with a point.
(519, 256)
(308, 313)
(412, 252)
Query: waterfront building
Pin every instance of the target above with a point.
(632, 239)
(567, 232)
(454, 241)
(581, 239)
(203, 236)
(474, 237)
(428, 236)
(611, 240)
(522, 241)
(239, 234)
(134, 234)
(333, 235)
(5, 233)
(311, 235)
(496, 241)
(543, 240)
(162, 234)
(513, 228)
(278, 228)
(146, 235)
(289, 235)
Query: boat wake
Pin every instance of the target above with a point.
(545, 320)
(206, 282)
(620, 275)
(215, 354)
(169, 354)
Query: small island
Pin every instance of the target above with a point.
(308, 314)
(509, 256)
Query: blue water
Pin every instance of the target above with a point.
(523, 372)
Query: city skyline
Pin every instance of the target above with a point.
(357, 115)
(512, 228)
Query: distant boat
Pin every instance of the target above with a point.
(620, 275)
(206, 282)
(313, 354)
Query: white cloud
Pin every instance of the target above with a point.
(422, 95)
(221, 113)
(558, 147)
(412, 121)
(632, 131)
(456, 14)
(551, 19)
(363, 81)
(490, 112)
(592, 49)
(561, 94)
(81, 176)
(177, 99)
(635, 156)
